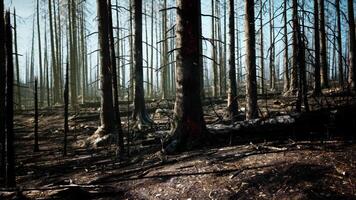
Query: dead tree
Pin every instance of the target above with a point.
(2, 92)
(324, 80)
(251, 82)
(10, 154)
(36, 148)
(188, 128)
(294, 72)
(286, 82)
(114, 81)
(66, 102)
(140, 113)
(317, 84)
(232, 104)
(339, 44)
(106, 103)
(352, 65)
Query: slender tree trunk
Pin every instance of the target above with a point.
(140, 114)
(66, 103)
(152, 49)
(286, 56)
(18, 88)
(39, 52)
(262, 60)
(272, 67)
(324, 80)
(107, 109)
(352, 67)
(213, 56)
(294, 73)
(188, 127)
(232, 104)
(10, 158)
(317, 83)
(36, 148)
(114, 76)
(251, 82)
(164, 66)
(53, 56)
(2, 93)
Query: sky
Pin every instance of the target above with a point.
(25, 11)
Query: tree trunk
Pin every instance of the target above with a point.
(66, 102)
(114, 76)
(232, 104)
(188, 128)
(352, 67)
(10, 158)
(339, 44)
(294, 73)
(140, 114)
(106, 105)
(39, 52)
(286, 56)
(53, 56)
(2, 92)
(323, 48)
(18, 87)
(262, 60)
(251, 82)
(213, 52)
(317, 84)
(272, 67)
(36, 148)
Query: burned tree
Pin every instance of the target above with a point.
(251, 82)
(232, 104)
(10, 154)
(323, 48)
(317, 85)
(352, 67)
(2, 91)
(188, 128)
(140, 114)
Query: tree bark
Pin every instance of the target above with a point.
(140, 114)
(286, 56)
(10, 158)
(106, 105)
(317, 83)
(2, 91)
(232, 104)
(188, 128)
(36, 148)
(352, 66)
(251, 82)
(339, 44)
(324, 80)
(294, 72)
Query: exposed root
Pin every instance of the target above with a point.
(101, 138)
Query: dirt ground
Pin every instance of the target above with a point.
(323, 168)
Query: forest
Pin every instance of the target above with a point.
(177, 99)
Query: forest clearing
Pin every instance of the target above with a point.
(177, 99)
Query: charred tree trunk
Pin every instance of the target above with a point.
(188, 128)
(10, 157)
(18, 86)
(317, 84)
(2, 93)
(352, 67)
(286, 56)
(106, 105)
(140, 114)
(66, 103)
(232, 104)
(39, 51)
(323, 48)
(251, 82)
(36, 148)
(339, 44)
(262, 60)
(294, 76)
(114, 76)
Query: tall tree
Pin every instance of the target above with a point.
(339, 44)
(106, 103)
(272, 67)
(18, 87)
(294, 72)
(140, 114)
(352, 66)
(317, 84)
(262, 60)
(286, 56)
(39, 51)
(2, 91)
(114, 76)
(232, 104)
(53, 56)
(323, 48)
(251, 82)
(10, 154)
(189, 126)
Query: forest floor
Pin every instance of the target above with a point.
(264, 165)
